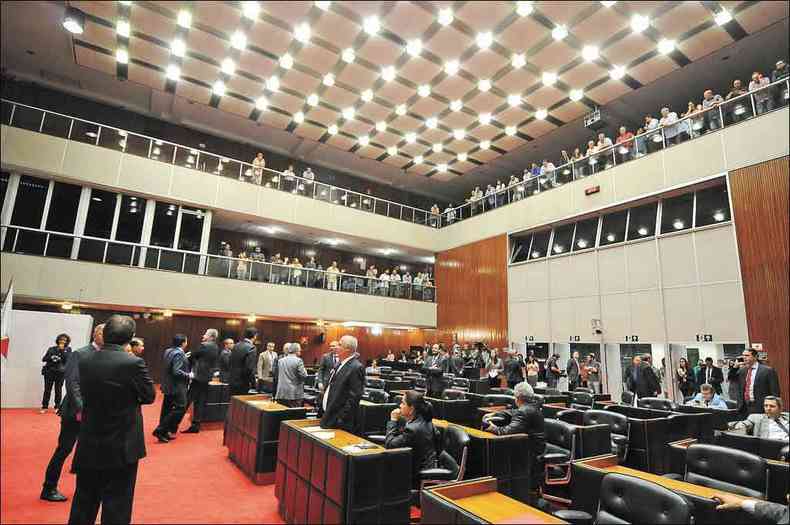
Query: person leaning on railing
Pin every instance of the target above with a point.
(712, 118)
(672, 130)
(625, 143)
(739, 110)
(258, 164)
(763, 99)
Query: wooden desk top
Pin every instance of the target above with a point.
(340, 440)
(441, 423)
(494, 409)
(495, 507)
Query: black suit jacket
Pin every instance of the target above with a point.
(421, 437)
(175, 375)
(347, 385)
(55, 361)
(243, 361)
(647, 384)
(204, 361)
(72, 401)
(324, 369)
(526, 419)
(114, 384)
(716, 378)
(766, 383)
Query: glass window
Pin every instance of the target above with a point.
(27, 118)
(613, 227)
(130, 229)
(563, 236)
(676, 213)
(164, 226)
(642, 221)
(713, 206)
(56, 125)
(189, 237)
(4, 178)
(29, 205)
(62, 213)
(586, 231)
(101, 212)
(519, 247)
(540, 244)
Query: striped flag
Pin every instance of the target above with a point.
(5, 321)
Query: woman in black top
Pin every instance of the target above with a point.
(54, 366)
(685, 378)
(411, 426)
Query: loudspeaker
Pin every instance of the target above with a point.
(319, 339)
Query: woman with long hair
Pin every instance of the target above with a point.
(533, 369)
(685, 378)
(411, 426)
(495, 367)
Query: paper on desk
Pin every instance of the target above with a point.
(324, 435)
(312, 429)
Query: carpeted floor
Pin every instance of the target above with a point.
(189, 480)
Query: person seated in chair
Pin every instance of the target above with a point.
(771, 424)
(411, 426)
(526, 418)
(708, 398)
(764, 511)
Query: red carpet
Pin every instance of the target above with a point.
(189, 480)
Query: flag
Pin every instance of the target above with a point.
(5, 321)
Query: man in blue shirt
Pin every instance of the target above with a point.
(708, 398)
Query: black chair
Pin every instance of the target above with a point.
(726, 469)
(626, 499)
(374, 395)
(619, 429)
(656, 403)
(582, 400)
(571, 415)
(452, 393)
(385, 369)
(560, 450)
(452, 459)
(627, 398)
(490, 400)
(584, 389)
(419, 383)
(375, 382)
(460, 383)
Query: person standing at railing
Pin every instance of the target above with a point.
(371, 274)
(625, 144)
(395, 283)
(490, 197)
(653, 140)
(227, 263)
(242, 265)
(592, 158)
(713, 117)
(417, 286)
(308, 176)
(579, 167)
(256, 261)
(500, 193)
(275, 270)
(739, 109)
(310, 266)
(604, 144)
(671, 128)
(332, 275)
(406, 284)
(693, 125)
(449, 214)
(297, 272)
(435, 215)
(258, 164)
(384, 283)
(763, 100)
(289, 176)
(285, 271)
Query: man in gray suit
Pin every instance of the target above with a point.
(328, 362)
(764, 511)
(291, 374)
(265, 368)
(771, 424)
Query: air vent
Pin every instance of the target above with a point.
(60, 79)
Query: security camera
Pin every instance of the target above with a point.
(597, 331)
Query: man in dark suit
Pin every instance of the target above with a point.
(113, 384)
(204, 362)
(175, 377)
(514, 372)
(641, 379)
(457, 362)
(710, 374)
(755, 381)
(243, 363)
(344, 388)
(70, 417)
(328, 363)
(573, 369)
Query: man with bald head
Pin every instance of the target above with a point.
(343, 388)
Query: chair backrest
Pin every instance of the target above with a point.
(618, 423)
(582, 398)
(461, 382)
(499, 399)
(727, 469)
(456, 443)
(584, 389)
(731, 404)
(448, 375)
(375, 382)
(656, 403)
(627, 398)
(375, 395)
(385, 369)
(451, 393)
(560, 434)
(627, 499)
(419, 382)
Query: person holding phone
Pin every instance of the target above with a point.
(54, 360)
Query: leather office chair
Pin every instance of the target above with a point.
(499, 399)
(571, 415)
(460, 383)
(560, 447)
(726, 469)
(619, 429)
(627, 398)
(385, 369)
(452, 393)
(374, 395)
(626, 499)
(584, 389)
(656, 403)
(731, 404)
(452, 459)
(582, 400)
(375, 382)
(419, 383)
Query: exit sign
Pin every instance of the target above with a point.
(590, 191)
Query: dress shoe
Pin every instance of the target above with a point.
(161, 437)
(42, 411)
(191, 430)
(52, 495)
(171, 436)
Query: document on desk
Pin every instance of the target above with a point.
(312, 429)
(360, 447)
(324, 435)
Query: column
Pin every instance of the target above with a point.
(82, 217)
(148, 224)
(204, 239)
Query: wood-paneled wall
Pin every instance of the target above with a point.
(760, 205)
(472, 292)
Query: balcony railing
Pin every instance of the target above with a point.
(67, 127)
(31, 241)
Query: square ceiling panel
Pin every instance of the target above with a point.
(554, 56)
(684, 17)
(374, 112)
(484, 102)
(485, 64)
(427, 106)
(546, 97)
(407, 20)
(194, 68)
(394, 92)
(215, 14)
(449, 43)
(704, 43)
(207, 45)
(458, 119)
(380, 51)
(152, 23)
(316, 57)
(572, 111)
(509, 143)
(762, 15)
(234, 105)
(563, 12)
(310, 131)
(291, 12)
(486, 155)
(537, 128)
(272, 38)
(482, 132)
(300, 82)
(419, 70)
(583, 75)
(453, 87)
(513, 115)
(99, 35)
(516, 81)
(257, 64)
(193, 92)
(356, 75)
(324, 115)
(484, 16)
(244, 86)
(522, 35)
(356, 128)
(653, 69)
(628, 49)
(339, 97)
(341, 141)
(336, 30)
(147, 76)
(286, 102)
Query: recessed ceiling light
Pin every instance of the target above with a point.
(348, 113)
(590, 53)
(514, 100)
(173, 72)
(431, 123)
(484, 118)
(608, 4)
(273, 84)
(250, 10)
(524, 8)
(438, 147)
(178, 47)
(228, 66)
(122, 55)
(510, 131)
(617, 72)
(484, 40)
(388, 73)
(74, 20)
(718, 216)
(485, 144)
(441, 168)
(262, 103)
(666, 46)
(559, 32)
(184, 18)
(411, 138)
(364, 140)
(549, 78)
(312, 100)
(238, 40)
(392, 151)
(381, 126)
(332, 130)
(286, 61)
(642, 231)
(639, 23)
(424, 90)
(367, 95)
(451, 67)
(610, 237)
(722, 17)
(459, 134)
(518, 60)
(218, 88)
(371, 25)
(302, 32)
(456, 105)
(349, 55)
(462, 157)
(678, 224)
(125, 2)
(400, 110)
(323, 6)
(484, 85)
(417, 159)
(329, 79)
(576, 94)
(123, 28)
(299, 117)
(414, 47)
(445, 16)
(541, 114)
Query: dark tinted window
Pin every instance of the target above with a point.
(62, 213)
(164, 227)
(713, 206)
(519, 247)
(586, 231)
(4, 177)
(676, 213)
(613, 228)
(642, 222)
(563, 236)
(100, 214)
(540, 244)
(29, 205)
(130, 219)
(191, 229)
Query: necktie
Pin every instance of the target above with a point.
(747, 386)
(707, 375)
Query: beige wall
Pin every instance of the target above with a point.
(75, 281)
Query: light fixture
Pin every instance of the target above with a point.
(367, 95)
(549, 78)
(441, 168)
(484, 39)
(639, 23)
(122, 55)
(576, 94)
(456, 105)
(178, 47)
(388, 73)
(392, 151)
(558, 248)
(329, 79)
(524, 8)
(381, 126)
(250, 10)
(238, 40)
(590, 53)
(348, 113)
(678, 224)
(722, 17)
(411, 138)
(510, 131)
(642, 231)
(302, 32)
(451, 67)
(718, 216)
(417, 159)
(323, 6)
(332, 130)
(364, 140)
(173, 72)
(228, 66)
(167, 313)
(123, 28)
(666, 46)
(514, 99)
(445, 17)
(462, 157)
(617, 72)
(437, 148)
(184, 18)
(66, 306)
(273, 83)
(299, 117)
(535, 254)
(400, 109)
(349, 55)
(286, 61)
(541, 114)
(608, 4)
(431, 123)
(518, 60)
(484, 85)
(74, 20)
(414, 47)
(218, 88)
(581, 243)
(459, 134)
(484, 118)
(485, 144)
(610, 237)
(262, 104)
(559, 32)
(424, 90)
(251, 318)
(312, 100)
(371, 25)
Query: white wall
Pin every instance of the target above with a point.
(31, 334)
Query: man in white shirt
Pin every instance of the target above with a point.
(763, 98)
(449, 214)
(671, 130)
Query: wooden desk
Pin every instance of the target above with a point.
(217, 404)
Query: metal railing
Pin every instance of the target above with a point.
(31, 241)
(31, 118)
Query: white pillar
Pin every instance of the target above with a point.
(82, 217)
(8, 204)
(204, 239)
(148, 223)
